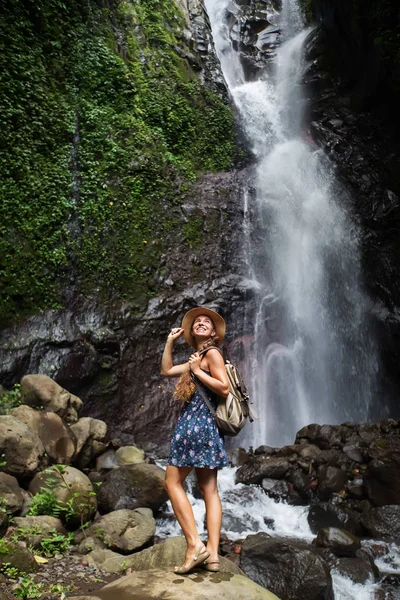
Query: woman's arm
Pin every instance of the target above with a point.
(167, 368)
(218, 381)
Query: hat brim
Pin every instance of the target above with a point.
(192, 314)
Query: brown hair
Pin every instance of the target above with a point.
(185, 386)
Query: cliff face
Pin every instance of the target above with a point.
(353, 82)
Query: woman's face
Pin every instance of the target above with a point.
(203, 327)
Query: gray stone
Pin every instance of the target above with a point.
(123, 530)
(33, 529)
(257, 469)
(330, 480)
(340, 541)
(382, 522)
(129, 455)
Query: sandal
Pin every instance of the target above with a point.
(197, 560)
(211, 565)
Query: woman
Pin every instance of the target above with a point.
(196, 442)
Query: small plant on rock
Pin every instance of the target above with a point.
(27, 588)
(10, 399)
(56, 544)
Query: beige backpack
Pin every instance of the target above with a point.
(232, 412)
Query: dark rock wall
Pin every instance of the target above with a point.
(353, 86)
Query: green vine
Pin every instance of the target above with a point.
(100, 121)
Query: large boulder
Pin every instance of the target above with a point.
(339, 541)
(382, 480)
(325, 514)
(57, 439)
(288, 569)
(330, 480)
(132, 486)
(10, 493)
(200, 585)
(254, 471)
(41, 391)
(281, 490)
(382, 521)
(24, 453)
(123, 530)
(73, 490)
(90, 435)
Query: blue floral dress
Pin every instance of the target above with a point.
(196, 441)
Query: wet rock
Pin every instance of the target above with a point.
(123, 530)
(382, 480)
(267, 450)
(339, 541)
(309, 451)
(132, 486)
(324, 514)
(23, 450)
(352, 451)
(288, 569)
(10, 494)
(3, 522)
(301, 484)
(41, 391)
(257, 469)
(281, 490)
(70, 486)
(330, 479)
(382, 522)
(323, 436)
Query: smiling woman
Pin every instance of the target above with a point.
(197, 442)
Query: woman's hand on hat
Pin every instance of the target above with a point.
(194, 362)
(175, 333)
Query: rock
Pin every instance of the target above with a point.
(237, 457)
(15, 554)
(23, 451)
(288, 569)
(58, 440)
(41, 391)
(132, 486)
(324, 514)
(107, 460)
(382, 522)
(323, 436)
(165, 555)
(89, 434)
(70, 486)
(258, 468)
(34, 529)
(157, 583)
(281, 490)
(340, 541)
(3, 522)
(86, 428)
(89, 544)
(10, 493)
(353, 452)
(28, 415)
(266, 450)
(129, 455)
(330, 479)
(123, 530)
(309, 451)
(382, 480)
(301, 484)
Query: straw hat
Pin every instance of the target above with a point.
(191, 315)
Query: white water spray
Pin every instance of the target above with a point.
(314, 359)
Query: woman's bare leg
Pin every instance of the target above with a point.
(173, 483)
(207, 479)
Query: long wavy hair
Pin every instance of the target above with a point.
(185, 386)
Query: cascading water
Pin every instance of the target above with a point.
(313, 359)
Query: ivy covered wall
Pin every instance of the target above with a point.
(103, 124)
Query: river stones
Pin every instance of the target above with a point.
(34, 529)
(255, 470)
(325, 514)
(382, 480)
(330, 479)
(383, 521)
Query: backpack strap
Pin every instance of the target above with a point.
(204, 396)
(203, 352)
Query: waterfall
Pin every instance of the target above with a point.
(314, 358)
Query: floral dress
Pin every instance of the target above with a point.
(196, 441)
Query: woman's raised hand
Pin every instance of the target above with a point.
(175, 333)
(194, 362)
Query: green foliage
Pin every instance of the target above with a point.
(4, 547)
(307, 9)
(8, 401)
(9, 571)
(99, 120)
(57, 543)
(27, 588)
(193, 231)
(46, 501)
